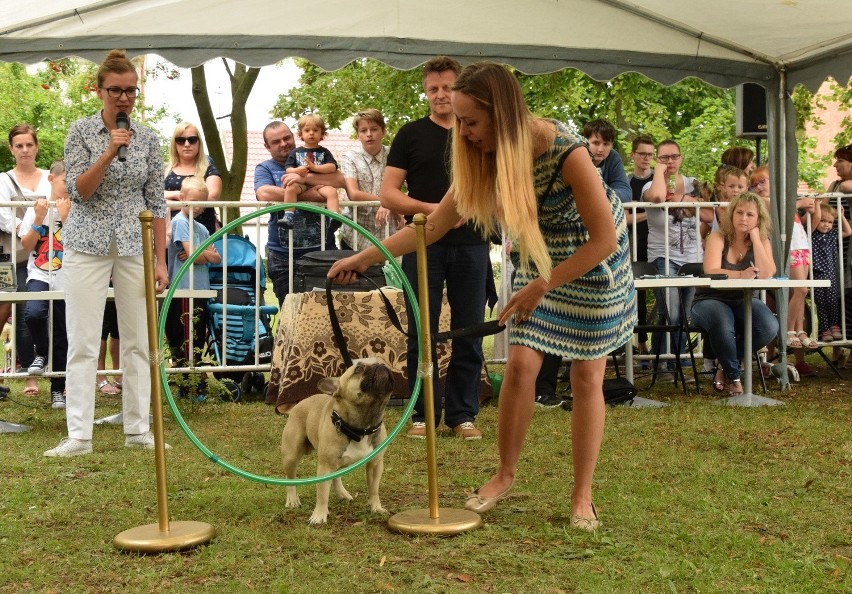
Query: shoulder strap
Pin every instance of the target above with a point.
(559, 165)
(16, 186)
(339, 339)
(19, 210)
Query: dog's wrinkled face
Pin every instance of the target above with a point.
(365, 381)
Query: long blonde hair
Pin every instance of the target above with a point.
(499, 186)
(201, 162)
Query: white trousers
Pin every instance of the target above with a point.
(86, 282)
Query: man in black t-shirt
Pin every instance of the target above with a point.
(419, 157)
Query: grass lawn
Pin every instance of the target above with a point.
(694, 498)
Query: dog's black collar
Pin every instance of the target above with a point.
(353, 433)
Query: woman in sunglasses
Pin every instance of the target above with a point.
(186, 159)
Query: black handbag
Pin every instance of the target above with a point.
(310, 271)
(618, 390)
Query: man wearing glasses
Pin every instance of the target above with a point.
(673, 236)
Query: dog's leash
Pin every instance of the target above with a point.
(477, 330)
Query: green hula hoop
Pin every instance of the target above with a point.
(409, 291)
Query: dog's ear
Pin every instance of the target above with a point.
(329, 385)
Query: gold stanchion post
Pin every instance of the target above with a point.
(165, 535)
(435, 520)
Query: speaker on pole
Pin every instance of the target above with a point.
(751, 111)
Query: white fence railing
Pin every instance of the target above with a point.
(256, 231)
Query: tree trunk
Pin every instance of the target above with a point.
(242, 81)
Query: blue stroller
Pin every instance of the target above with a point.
(235, 311)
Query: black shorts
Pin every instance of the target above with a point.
(110, 325)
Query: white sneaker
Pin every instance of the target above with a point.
(142, 440)
(70, 447)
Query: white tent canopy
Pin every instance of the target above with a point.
(724, 42)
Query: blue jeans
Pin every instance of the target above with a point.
(23, 338)
(36, 314)
(670, 299)
(723, 323)
(464, 268)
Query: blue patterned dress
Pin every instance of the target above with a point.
(593, 315)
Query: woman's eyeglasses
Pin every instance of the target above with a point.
(117, 92)
(186, 139)
(667, 158)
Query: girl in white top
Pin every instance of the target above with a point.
(32, 183)
(800, 263)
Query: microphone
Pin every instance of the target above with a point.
(122, 123)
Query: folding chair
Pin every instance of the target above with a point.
(664, 326)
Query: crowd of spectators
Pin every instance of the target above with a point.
(410, 176)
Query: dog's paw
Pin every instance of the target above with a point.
(318, 518)
(376, 507)
(293, 501)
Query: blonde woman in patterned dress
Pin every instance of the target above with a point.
(573, 291)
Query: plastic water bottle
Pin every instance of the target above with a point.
(671, 184)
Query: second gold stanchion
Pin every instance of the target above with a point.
(435, 519)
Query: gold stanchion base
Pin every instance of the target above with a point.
(449, 521)
(149, 538)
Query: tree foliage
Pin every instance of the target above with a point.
(812, 164)
(700, 117)
(361, 84)
(50, 97)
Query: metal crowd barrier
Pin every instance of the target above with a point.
(256, 232)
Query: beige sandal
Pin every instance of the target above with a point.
(793, 341)
(806, 341)
(105, 387)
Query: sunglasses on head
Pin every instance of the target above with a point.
(185, 139)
